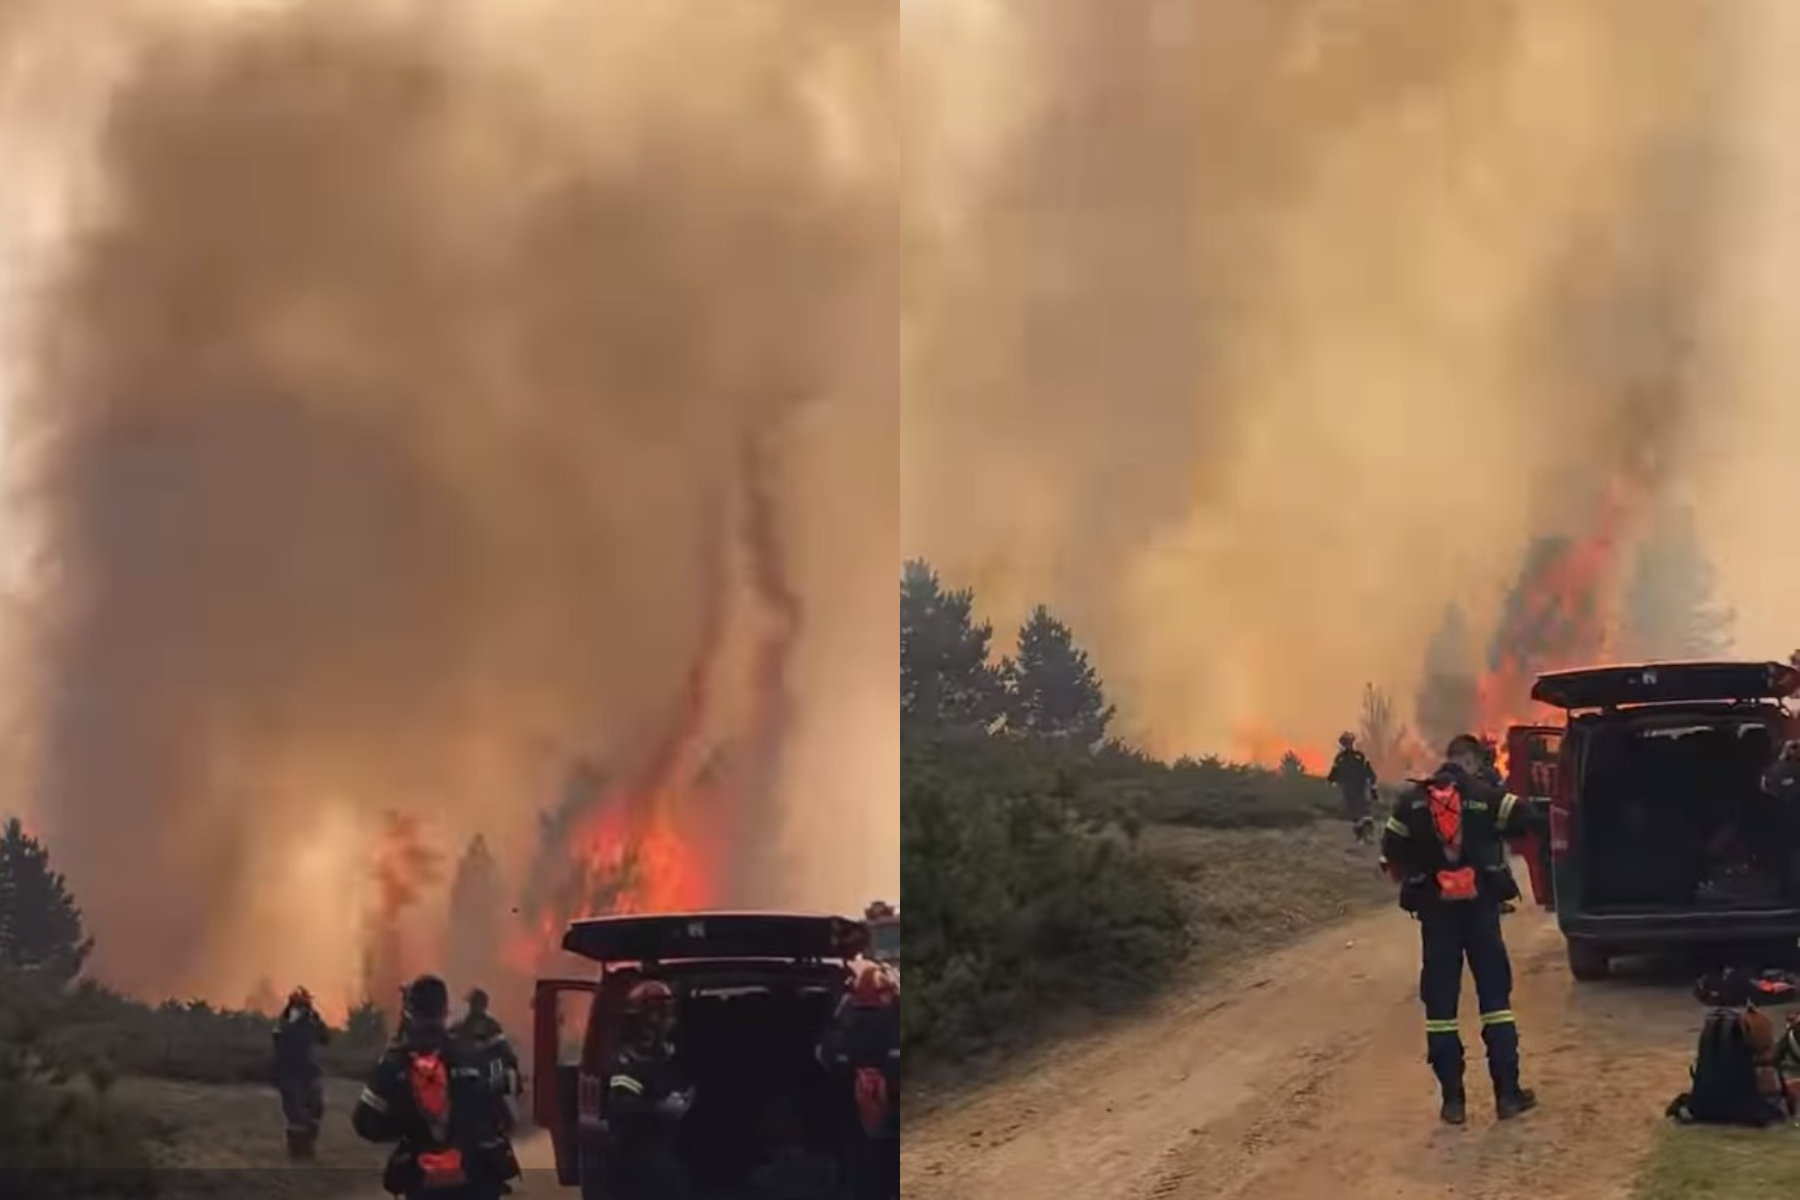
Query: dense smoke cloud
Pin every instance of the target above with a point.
(379, 404)
(1258, 332)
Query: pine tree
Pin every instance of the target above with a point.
(1670, 610)
(40, 925)
(1052, 689)
(1447, 699)
(476, 904)
(946, 680)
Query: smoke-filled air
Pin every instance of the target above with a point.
(439, 421)
(1288, 346)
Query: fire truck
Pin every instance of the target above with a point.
(755, 991)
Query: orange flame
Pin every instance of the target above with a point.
(1563, 613)
(659, 840)
(1256, 745)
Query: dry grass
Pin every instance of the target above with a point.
(213, 1141)
(1706, 1163)
(225, 1140)
(1252, 889)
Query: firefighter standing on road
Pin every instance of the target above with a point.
(481, 1042)
(646, 1098)
(1443, 844)
(298, 1032)
(434, 1107)
(1354, 776)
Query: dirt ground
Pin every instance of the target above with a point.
(1302, 1074)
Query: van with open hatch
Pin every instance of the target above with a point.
(754, 994)
(1659, 833)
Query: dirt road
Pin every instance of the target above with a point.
(1303, 1075)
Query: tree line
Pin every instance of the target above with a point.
(950, 681)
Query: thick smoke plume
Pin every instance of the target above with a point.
(1250, 335)
(382, 389)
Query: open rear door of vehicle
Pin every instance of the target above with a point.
(1533, 754)
(558, 1028)
(671, 937)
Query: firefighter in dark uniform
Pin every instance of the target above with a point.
(647, 1095)
(482, 1042)
(434, 1107)
(1354, 776)
(1443, 844)
(297, 1032)
(862, 1052)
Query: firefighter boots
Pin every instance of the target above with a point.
(1511, 1103)
(1455, 1109)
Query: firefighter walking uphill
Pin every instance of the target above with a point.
(1354, 777)
(1442, 843)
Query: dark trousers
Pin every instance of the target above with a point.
(302, 1101)
(1451, 932)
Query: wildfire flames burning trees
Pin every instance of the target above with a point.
(688, 825)
(1562, 612)
(1564, 609)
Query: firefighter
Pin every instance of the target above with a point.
(1442, 843)
(297, 1033)
(1355, 779)
(483, 1043)
(647, 1095)
(434, 1107)
(862, 1050)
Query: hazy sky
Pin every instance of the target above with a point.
(1248, 334)
(381, 370)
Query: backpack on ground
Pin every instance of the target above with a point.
(1724, 1090)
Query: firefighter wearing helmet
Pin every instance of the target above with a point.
(482, 1041)
(1354, 776)
(1443, 844)
(862, 1052)
(647, 1095)
(297, 1033)
(434, 1107)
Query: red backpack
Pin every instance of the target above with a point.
(1444, 801)
(428, 1077)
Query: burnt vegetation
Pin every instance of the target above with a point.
(66, 1039)
(1050, 868)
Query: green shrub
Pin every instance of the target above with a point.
(1022, 894)
(60, 1136)
(192, 1041)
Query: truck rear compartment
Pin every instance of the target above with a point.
(1673, 818)
(762, 1100)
